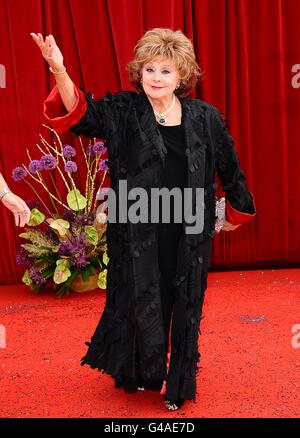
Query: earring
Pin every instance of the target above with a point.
(178, 86)
(141, 82)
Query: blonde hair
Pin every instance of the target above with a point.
(171, 45)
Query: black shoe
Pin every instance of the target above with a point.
(132, 384)
(173, 406)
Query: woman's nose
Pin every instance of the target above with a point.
(157, 76)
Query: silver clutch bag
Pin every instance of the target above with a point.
(220, 214)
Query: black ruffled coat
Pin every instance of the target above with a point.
(129, 339)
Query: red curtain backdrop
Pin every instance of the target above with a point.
(246, 49)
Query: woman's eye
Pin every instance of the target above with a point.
(149, 69)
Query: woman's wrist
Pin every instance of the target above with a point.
(4, 192)
(57, 70)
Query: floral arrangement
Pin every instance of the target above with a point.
(66, 244)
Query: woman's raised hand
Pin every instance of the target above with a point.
(55, 59)
(49, 50)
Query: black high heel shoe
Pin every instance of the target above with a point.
(173, 406)
(130, 384)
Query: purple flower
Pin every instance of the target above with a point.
(85, 219)
(36, 276)
(65, 248)
(71, 166)
(99, 148)
(75, 248)
(103, 166)
(48, 162)
(18, 174)
(23, 259)
(80, 260)
(89, 150)
(68, 215)
(80, 240)
(35, 166)
(68, 151)
(79, 243)
(33, 204)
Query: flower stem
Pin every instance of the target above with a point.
(46, 189)
(58, 155)
(54, 185)
(49, 194)
(38, 196)
(74, 188)
(102, 181)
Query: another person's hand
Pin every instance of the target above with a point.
(227, 226)
(50, 51)
(18, 207)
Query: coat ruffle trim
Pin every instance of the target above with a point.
(56, 114)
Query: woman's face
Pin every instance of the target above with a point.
(160, 77)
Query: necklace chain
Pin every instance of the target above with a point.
(162, 115)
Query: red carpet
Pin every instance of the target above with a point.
(249, 367)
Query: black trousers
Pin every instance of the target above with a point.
(168, 239)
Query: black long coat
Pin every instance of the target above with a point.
(129, 339)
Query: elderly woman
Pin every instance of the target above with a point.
(157, 273)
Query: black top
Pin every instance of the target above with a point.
(175, 159)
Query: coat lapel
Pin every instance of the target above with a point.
(193, 121)
(148, 125)
(194, 127)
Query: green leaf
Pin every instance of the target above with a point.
(102, 279)
(85, 275)
(26, 236)
(38, 288)
(63, 262)
(59, 225)
(105, 258)
(75, 200)
(65, 288)
(26, 279)
(91, 234)
(92, 270)
(48, 272)
(36, 217)
(40, 243)
(62, 271)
